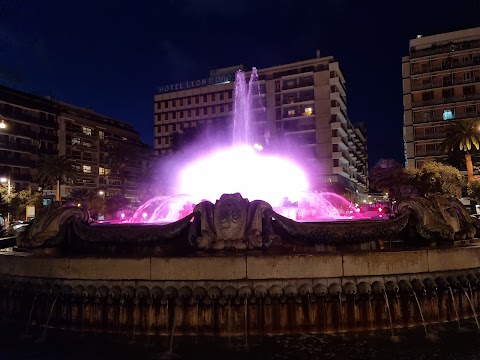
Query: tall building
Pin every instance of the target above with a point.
(36, 126)
(303, 104)
(441, 84)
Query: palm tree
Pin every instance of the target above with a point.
(119, 155)
(56, 169)
(463, 135)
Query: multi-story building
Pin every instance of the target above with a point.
(441, 84)
(303, 103)
(36, 126)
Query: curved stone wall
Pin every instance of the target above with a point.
(242, 295)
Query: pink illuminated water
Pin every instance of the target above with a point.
(245, 169)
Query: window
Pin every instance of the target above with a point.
(107, 171)
(222, 108)
(222, 96)
(166, 116)
(101, 170)
(76, 141)
(448, 114)
(174, 103)
(230, 107)
(181, 102)
(277, 100)
(87, 143)
(213, 97)
(291, 99)
(447, 93)
(230, 93)
(277, 85)
(205, 98)
(174, 115)
(427, 95)
(181, 114)
(291, 112)
(101, 134)
(197, 112)
(165, 104)
(213, 109)
(469, 90)
(189, 101)
(204, 111)
(197, 99)
(87, 130)
(189, 112)
(278, 114)
(470, 109)
(308, 111)
(87, 169)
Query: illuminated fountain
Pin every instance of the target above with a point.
(244, 168)
(215, 263)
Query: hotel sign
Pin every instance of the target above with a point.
(196, 83)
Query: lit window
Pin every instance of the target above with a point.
(308, 111)
(448, 114)
(291, 112)
(87, 169)
(87, 130)
(101, 135)
(107, 171)
(101, 171)
(87, 144)
(76, 141)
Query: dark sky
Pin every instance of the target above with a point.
(111, 55)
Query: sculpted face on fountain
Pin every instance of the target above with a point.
(230, 217)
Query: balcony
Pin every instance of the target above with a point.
(48, 137)
(445, 66)
(448, 48)
(435, 152)
(300, 84)
(18, 147)
(22, 132)
(17, 162)
(420, 120)
(448, 100)
(441, 83)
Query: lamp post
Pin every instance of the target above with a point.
(9, 188)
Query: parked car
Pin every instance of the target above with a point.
(17, 227)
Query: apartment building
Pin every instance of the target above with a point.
(441, 84)
(302, 104)
(36, 126)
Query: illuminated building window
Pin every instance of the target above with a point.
(107, 171)
(308, 111)
(291, 112)
(76, 141)
(87, 130)
(101, 170)
(448, 114)
(101, 134)
(87, 169)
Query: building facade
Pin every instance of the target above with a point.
(37, 126)
(441, 84)
(302, 104)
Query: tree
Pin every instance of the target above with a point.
(464, 135)
(19, 202)
(120, 153)
(435, 178)
(389, 176)
(473, 189)
(56, 169)
(115, 203)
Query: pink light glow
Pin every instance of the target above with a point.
(242, 169)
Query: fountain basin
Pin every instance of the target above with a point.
(222, 295)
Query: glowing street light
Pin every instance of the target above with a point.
(2, 123)
(101, 193)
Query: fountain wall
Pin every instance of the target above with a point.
(241, 294)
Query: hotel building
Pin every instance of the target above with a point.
(36, 126)
(441, 84)
(303, 104)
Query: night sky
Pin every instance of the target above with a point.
(111, 55)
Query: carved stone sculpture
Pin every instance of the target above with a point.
(439, 218)
(233, 222)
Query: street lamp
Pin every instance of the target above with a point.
(9, 188)
(2, 123)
